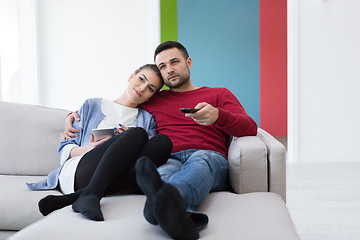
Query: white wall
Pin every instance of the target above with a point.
(328, 41)
(89, 48)
(9, 51)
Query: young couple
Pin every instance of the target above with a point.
(176, 169)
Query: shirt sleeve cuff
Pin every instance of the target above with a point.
(65, 152)
(223, 118)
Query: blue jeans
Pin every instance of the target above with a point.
(195, 173)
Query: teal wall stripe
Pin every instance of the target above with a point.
(222, 38)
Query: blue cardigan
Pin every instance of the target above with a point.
(91, 115)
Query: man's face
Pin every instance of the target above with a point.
(174, 68)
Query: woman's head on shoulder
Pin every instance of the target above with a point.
(144, 83)
(154, 68)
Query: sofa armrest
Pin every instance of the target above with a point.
(276, 163)
(248, 165)
(257, 164)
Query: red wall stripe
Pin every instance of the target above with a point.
(273, 66)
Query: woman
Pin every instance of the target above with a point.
(92, 169)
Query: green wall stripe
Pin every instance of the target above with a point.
(168, 20)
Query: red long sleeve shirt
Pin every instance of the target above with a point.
(185, 133)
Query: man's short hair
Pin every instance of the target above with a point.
(171, 44)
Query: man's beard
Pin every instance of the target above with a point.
(182, 79)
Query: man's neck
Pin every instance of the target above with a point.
(187, 86)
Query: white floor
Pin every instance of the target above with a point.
(324, 200)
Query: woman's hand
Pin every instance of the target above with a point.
(78, 151)
(93, 144)
(120, 129)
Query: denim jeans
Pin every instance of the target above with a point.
(195, 173)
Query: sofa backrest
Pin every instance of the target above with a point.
(29, 138)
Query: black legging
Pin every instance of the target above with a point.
(109, 167)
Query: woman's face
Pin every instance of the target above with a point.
(143, 85)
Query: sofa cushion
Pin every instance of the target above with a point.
(19, 205)
(29, 131)
(257, 216)
(6, 234)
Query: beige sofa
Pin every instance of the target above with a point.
(28, 151)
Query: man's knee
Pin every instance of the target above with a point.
(168, 169)
(204, 156)
(209, 159)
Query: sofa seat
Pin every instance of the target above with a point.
(19, 206)
(260, 216)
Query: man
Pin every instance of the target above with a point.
(198, 163)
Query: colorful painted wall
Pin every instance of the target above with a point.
(237, 44)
